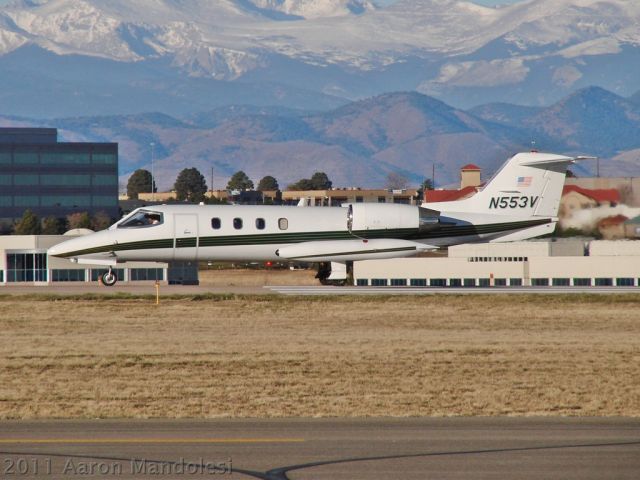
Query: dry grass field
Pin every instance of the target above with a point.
(254, 356)
(257, 278)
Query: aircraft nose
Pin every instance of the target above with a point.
(59, 250)
(74, 245)
(95, 248)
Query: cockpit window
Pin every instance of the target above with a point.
(143, 218)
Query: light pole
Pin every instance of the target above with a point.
(153, 193)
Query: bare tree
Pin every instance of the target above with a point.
(395, 181)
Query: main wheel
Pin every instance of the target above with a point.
(324, 270)
(109, 278)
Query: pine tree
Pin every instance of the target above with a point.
(190, 185)
(140, 182)
(427, 184)
(240, 181)
(302, 184)
(320, 181)
(268, 183)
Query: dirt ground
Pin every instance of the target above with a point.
(257, 278)
(272, 356)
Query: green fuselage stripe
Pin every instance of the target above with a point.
(299, 237)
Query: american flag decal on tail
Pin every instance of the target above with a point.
(524, 181)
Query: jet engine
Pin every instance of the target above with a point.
(363, 217)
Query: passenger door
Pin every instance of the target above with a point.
(186, 237)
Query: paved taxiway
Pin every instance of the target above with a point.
(139, 288)
(326, 290)
(394, 449)
(165, 290)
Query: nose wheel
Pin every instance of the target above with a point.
(109, 278)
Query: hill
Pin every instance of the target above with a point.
(590, 120)
(359, 144)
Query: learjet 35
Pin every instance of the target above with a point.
(521, 201)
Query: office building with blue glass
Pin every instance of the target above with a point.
(54, 178)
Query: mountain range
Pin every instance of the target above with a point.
(355, 88)
(61, 58)
(360, 143)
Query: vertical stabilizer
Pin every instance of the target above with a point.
(528, 184)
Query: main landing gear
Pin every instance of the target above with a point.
(109, 278)
(324, 270)
(334, 273)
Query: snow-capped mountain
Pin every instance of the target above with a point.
(314, 8)
(531, 52)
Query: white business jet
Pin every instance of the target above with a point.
(521, 201)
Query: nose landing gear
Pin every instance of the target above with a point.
(109, 278)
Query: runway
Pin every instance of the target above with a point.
(354, 449)
(139, 288)
(148, 288)
(328, 290)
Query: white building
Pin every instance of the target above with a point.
(24, 259)
(534, 263)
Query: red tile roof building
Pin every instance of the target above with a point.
(471, 166)
(612, 228)
(610, 195)
(448, 195)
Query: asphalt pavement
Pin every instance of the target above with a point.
(148, 288)
(336, 449)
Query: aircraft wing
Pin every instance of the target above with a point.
(351, 250)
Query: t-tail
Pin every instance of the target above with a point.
(527, 185)
(519, 202)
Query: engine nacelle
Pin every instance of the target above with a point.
(389, 216)
(382, 216)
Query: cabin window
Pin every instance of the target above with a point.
(237, 223)
(216, 223)
(260, 223)
(142, 218)
(283, 223)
